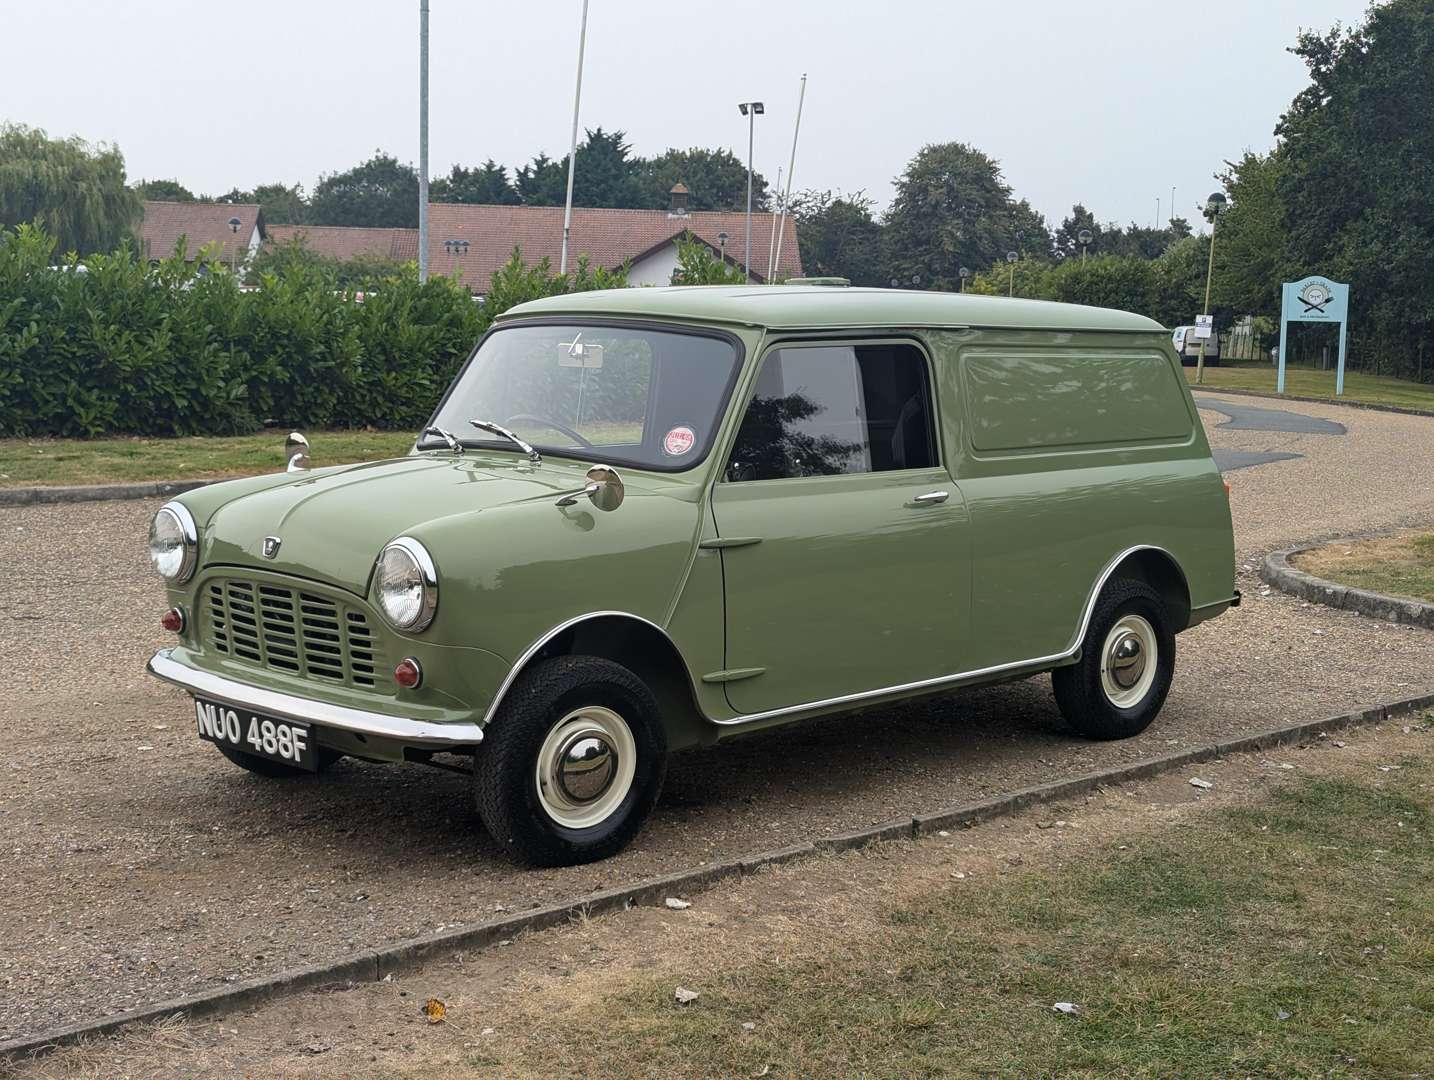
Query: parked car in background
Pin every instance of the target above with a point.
(649, 519)
(1187, 346)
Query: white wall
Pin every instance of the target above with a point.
(656, 269)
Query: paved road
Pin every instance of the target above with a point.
(138, 865)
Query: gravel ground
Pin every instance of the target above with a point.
(139, 866)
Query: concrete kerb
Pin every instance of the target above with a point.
(375, 964)
(1270, 395)
(34, 496)
(1277, 571)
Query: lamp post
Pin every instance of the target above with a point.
(963, 274)
(722, 239)
(573, 143)
(456, 247)
(234, 224)
(751, 110)
(422, 141)
(1214, 207)
(1011, 258)
(1084, 237)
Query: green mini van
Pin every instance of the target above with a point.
(648, 519)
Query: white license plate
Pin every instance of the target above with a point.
(286, 741)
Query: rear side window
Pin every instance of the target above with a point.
(833, 409)
(1033, 400)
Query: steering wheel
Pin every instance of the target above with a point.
(569, 432)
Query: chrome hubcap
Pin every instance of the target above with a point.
(585, 767)
(1128, 661)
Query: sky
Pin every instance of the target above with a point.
(1109, 104)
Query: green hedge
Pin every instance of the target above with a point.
(122, 347)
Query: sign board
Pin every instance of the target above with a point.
(1204, 326)
(1314, 299)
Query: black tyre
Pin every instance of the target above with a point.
(276, 770)
(573, 762)
(1127, 660)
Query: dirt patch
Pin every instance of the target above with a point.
(597, 998)
(1398, 565)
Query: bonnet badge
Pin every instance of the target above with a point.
(271, 546)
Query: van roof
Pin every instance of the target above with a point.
(790, 307)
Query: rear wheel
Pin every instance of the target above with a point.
(1127, 662)
(573, 762)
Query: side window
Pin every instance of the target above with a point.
(826, 410)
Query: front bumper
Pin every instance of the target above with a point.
(321, 714)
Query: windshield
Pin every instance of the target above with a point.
(620, 395)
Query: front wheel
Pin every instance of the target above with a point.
(573, 762)
(1127, 661)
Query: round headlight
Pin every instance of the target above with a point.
(173, 543)
(407, 585)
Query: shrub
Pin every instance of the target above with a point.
(112, 345)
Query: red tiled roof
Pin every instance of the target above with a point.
(608, 237)
(344, 242)
(202, 223)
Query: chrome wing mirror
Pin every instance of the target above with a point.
(296, 452)
(603, 487)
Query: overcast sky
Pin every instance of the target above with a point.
(1108, 103)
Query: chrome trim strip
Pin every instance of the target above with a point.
(965, 676)
(533, 650)
(1037, 663)
(291, 707)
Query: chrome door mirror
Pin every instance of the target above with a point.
(604, 488)
(609, 491)
(296, 452)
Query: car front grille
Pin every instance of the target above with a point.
(295, 631)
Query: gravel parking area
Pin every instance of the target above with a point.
(139, 866)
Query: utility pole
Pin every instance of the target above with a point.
(422, 141)
(573, 144)
(749, 109)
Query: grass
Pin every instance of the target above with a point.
(1290, 936)
(27, 462)
(1307, 382)
(1400, 565)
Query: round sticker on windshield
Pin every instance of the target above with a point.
(679, 441)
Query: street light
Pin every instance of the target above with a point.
(456, 247)
(963, 274)
(751, 110)
(722, 239)
(1085, 236)
(1214, 206)
(1011, 258)
(234, 224)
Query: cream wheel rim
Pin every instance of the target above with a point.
(1129, 660)
(586, 767)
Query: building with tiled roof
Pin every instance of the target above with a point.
(475, 240)
(233, 230)
(343, 242)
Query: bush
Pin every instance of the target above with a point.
(111, 345)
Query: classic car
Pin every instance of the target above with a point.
(644, 520)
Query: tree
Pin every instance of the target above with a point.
(1355, 177)
(380, 192)
(282, 204)
(543, 182)
(697, 264)
(715, 180)
(164, 191)
(487, 184)
(839, 237)
(1250, 261)
(75, 190)
(1067, 237)
(953, 209)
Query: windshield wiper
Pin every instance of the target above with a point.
(444, 434)
(498, 429)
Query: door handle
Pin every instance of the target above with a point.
(931, 497)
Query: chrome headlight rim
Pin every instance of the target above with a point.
(428, 577)
(189, 537)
